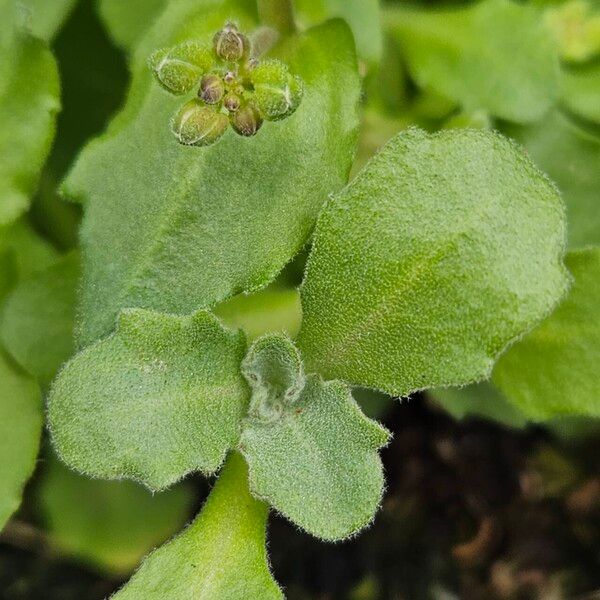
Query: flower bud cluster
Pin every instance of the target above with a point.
(233, 87)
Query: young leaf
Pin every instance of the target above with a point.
(20, 430)
(176, 229)
(554, 370)
(440, 253)
(110, 525)
(571, 157)
(29, 101)
(160, 397)
(479, 400)
(311, 452)
(495, 55)
(36, 324)
(220, 556)
(362, 15)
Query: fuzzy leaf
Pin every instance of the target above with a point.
(110, 525)
(311, 452)
(362, 15)
(127, 22)
(29, 101)
(36, 325)
(176, 229)
(494, 55)
(20, 430)
(220, 556)
(580, 91)
(440, 253)
(159, 398)
(554, 370)
(45, 17)
(571, 157)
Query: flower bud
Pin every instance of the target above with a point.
(212, 89)
(198, 125)
(230, 44)
(246, 121)
(179, 69)
(277, 93)
(232, 102)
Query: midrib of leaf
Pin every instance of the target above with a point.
(389, 302)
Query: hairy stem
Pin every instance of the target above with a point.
(278, 14)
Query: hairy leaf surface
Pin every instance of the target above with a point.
(311, 452)
(494, 55)
(571, 157)
(160, 397)
(554, 370)
(29, 101)
(440, 253)
(175, 228)
(220, 556)
(36, 325)
(20, 430)
(110, 525)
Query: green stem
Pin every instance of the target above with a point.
(278, 14)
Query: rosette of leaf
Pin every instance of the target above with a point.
(233, 87)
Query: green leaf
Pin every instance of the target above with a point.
(270, 310)
(311, 452)
(580, 91)
(554, 370)
(363, 16)
(29, 101)
(495, 55)
(45, 17)
(441, 252)
(20, 430)
(159, 398)
(127, 22)
(110, 525)
(220, 556)
(176, 229)
(571, 157)
(36, 325)
(479, 400)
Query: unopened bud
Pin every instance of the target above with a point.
(277, 93)
(229, 78)
(231, 102)
(198, 125)
(246, 121)
(230, 44)
(179, 69)
(212, 89)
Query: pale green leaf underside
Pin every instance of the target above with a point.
(36, 324)
(441, 252)
(479, 400)
(160, 397)
(571, 158)
(362, 15)
(311, 452)
(45, 17)
(110, 525)
(20, 430)
(494, 55)
(580, 91)
(29, 101)
(220, 556)
(554, 370)
(174, 228)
